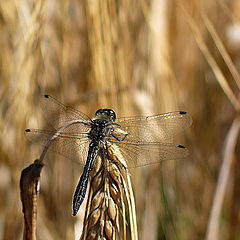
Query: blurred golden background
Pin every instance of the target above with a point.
(139, 58)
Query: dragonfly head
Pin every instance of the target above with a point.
(105, 114)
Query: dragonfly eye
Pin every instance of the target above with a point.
(105, 114)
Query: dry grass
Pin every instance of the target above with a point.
(139, 58)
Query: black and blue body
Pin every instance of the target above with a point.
(101, 128)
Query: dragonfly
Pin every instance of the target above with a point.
(76, 135)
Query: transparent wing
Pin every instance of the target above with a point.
(68, 144)
(58, 114)
(142, 154)
(154, 128)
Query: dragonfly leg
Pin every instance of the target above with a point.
(120, 140)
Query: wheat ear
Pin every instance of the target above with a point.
(110, 200)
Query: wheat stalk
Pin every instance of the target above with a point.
(109, 194)
(224, 175)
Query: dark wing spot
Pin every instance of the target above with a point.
(46, 96)
(182, 112)
(181, 146)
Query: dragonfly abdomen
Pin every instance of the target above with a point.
(80, 192)
(81, 188)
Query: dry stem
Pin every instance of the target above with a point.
(213, 225)
(28, 185)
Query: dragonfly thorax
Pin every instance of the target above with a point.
(98, 130)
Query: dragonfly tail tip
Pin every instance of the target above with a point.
(74, 213)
